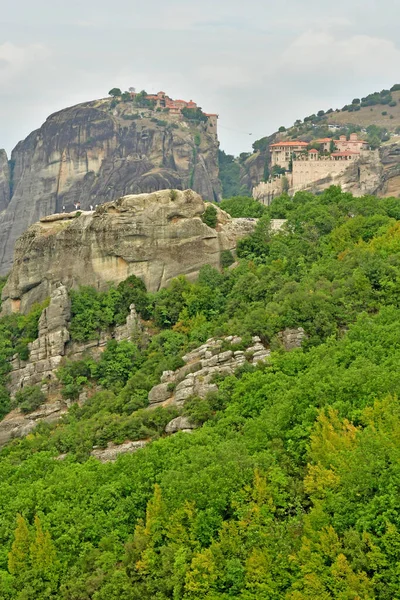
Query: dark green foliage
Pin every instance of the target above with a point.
(209, 216)
(194, 115)
(229, 174)
(227, 259)
(29, 398)
(115, 92)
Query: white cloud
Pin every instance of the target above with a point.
(321, 53)
(14, 60)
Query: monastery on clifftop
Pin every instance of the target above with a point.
(304, 166)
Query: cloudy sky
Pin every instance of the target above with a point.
(258, 63)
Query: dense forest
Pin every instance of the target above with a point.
(288, 488)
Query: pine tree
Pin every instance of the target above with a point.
(43, 554)
(18, 558)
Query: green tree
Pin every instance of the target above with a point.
(115, 92)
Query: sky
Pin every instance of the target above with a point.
(259, 64)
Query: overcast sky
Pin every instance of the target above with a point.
(258, 63)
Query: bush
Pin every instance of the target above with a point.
(209, 216)
(29, 398)
(227, 259)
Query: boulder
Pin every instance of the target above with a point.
(179, 424)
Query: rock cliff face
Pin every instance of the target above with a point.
(155, 236)
(4, 181)
(94, 153)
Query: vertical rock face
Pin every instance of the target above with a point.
(94, 153)
(153, 236)
(4, 181)
(46, 352)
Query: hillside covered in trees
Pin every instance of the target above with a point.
(288, 488)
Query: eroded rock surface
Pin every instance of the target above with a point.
(154, 236)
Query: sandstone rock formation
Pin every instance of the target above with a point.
(155, 236)
(53, 343)
(196, 377)
(94, 153)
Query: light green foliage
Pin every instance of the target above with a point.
(288, 490)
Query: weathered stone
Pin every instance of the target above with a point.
(210, 362)
(167, 377)
(183, 394)
(292, 338)
(159, 393)
(179, 424)
(5, 181)
(224, 356)
(16, 425)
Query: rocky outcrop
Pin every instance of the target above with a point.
(17, 425)
(111, 453)
(155, 236)
(5, 181)
(196, 377)
(46, 352)
(96, 152)
(292, 338)
(180, 424)
(53, 343)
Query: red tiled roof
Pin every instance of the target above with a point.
(313, 150)
(293, 143)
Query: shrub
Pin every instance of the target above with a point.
(29, 398)
(209, 216)
(227, 259)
